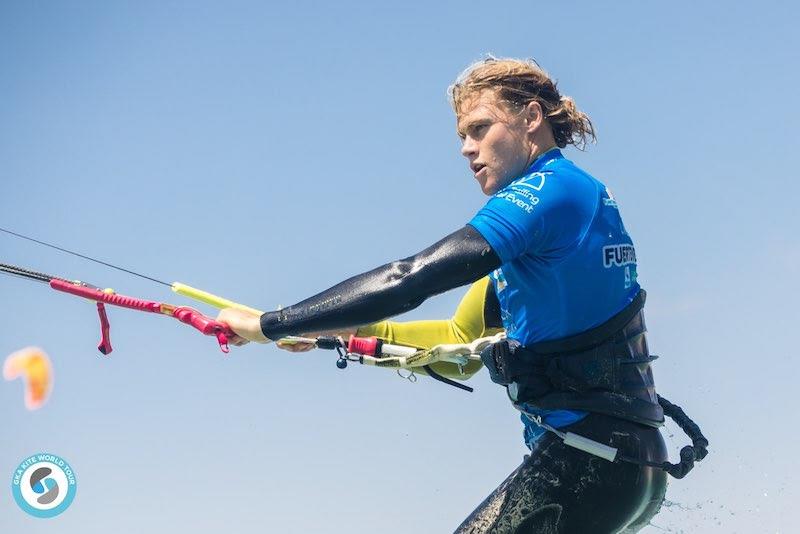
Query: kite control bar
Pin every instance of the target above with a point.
(374, 351)
(184, 314)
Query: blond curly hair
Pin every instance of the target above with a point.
(517, 82)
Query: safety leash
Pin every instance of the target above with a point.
(689, 454)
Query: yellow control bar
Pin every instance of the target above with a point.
(210, 298)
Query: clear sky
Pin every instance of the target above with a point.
(267, 151)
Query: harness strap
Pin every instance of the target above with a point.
(436, 376)
(690, 454)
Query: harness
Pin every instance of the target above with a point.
(603, 370)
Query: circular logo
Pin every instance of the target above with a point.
(44, 485)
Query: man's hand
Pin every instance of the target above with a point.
(246, 325)
(294, 345)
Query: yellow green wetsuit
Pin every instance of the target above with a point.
(477, 315)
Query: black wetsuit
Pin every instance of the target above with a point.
(557, 487)
(397, 287)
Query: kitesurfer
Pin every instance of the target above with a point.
(552, 264)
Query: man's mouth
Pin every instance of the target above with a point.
(477, 167)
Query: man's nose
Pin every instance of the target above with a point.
(469, 147)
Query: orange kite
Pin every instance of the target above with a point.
(33, 366)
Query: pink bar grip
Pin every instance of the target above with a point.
(109, 298)
(184, 314)
(205, 324)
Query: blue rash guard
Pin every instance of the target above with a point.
(568, 263)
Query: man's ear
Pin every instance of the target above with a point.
(534, 116)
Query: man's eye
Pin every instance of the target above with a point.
(479, 128)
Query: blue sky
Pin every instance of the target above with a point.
(266, 151)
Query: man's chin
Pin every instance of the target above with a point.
(488, 187)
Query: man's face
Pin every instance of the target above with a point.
(494, 141)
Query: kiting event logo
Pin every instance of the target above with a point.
(44, 485)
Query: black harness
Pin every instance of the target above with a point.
(603, 370)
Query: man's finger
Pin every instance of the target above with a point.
(237, 341)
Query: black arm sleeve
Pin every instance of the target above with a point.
(460, 258)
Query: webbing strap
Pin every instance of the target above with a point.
(689, 454)
(436, 376)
